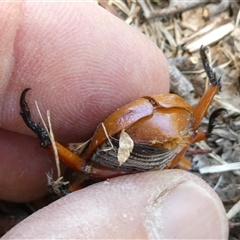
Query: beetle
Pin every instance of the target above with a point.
(155, 132)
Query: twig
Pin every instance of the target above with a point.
(55, 151)
(51, 136)
(179, 83)
(105, 131)
(40, 115)
(234, 210)
(220, 168)
(172, 10)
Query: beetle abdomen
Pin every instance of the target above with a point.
(143, 157)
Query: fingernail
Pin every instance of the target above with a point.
(186, 211)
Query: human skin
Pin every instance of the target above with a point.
(82, 63)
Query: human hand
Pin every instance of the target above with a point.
(82, 64)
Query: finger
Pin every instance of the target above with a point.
(23, 167)
(82, 63)
(154, 205)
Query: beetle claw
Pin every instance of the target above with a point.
(212, 119)
(205, 62)
(36, 128)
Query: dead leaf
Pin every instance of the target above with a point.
(125, 147)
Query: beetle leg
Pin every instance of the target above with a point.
(207, 98)
(69, 158)
(184, 164)
(177, 158)
(205, 62)
(179, 161)
(204, 135)
(36, 128)
(212, 119)
(103, 173)
(65, 155)
(75, 162)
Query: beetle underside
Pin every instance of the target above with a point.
(143, 157)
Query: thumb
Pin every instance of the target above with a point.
(154, 205)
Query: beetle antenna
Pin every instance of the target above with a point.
(212, 119)
(205, 62)
(36, 128)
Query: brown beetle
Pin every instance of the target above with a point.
(155, 130)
